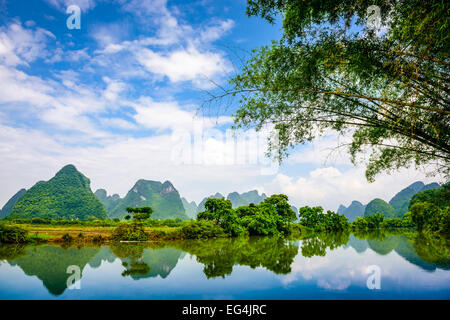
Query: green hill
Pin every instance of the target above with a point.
(381, 206)
(190, 208)
(7, 208)
(400, 202)
(49, 264)
(354, 210)
(440, 196)
(67, 195)
(244, 199)
(201, 206)
(109, 202)
(162, 197)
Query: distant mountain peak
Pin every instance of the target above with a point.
(68, 169)
(400, 202)
(162, 197)
(67, 195)
(167, 187)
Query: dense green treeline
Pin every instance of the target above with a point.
(428, 212)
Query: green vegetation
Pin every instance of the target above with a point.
(190, 208)
(67, 195)
(373, 221)
(332, 70)
(354, 210)
(219, 256)
(272, 216)
(7, 208)
(429, 211)
(162, 197)
(130, 232)
(134, 231)
(140, 213)
(12, 234)
(439, 197)
(109, 202)
(202, 229)
(314, 218)
(380, 206)
(400, 202)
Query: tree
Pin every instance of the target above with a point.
(140, 213)
(221, 212)
(387, 88)
(425, 214)
(316, 219)
(374, 221)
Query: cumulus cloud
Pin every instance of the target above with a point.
(163, 115)
(62, 5)
(176, 51)
(183, 65)
(329, 186)
(19, 45)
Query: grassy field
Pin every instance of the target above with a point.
(55, 232)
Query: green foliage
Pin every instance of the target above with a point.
(67, 195)
(331, 71)
(7, 208)
(439, 197)
(12, 234)
(202, 229)
(130, 232)
(220, 211)
(246, 198)
(219, 256)
(272, 216)
(163, 198)
(371, 222)
(380, 206)
(319, 243)
(140, 213)
(395, 223)
(428, 216)
(67, 237)
(190, 208)
(314, 218)
(109, 202)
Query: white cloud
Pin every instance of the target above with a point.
(176, 51)
(329, 187)
(216, 31)
(343, 267)
(169, 115)
(64, 4)
(20, 45)
(183, 65)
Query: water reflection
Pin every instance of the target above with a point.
(219, 257)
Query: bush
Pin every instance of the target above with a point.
(130, 232)
(97, 238)
(67, 237)
(12, 234)
(202, 229)
(397, 223)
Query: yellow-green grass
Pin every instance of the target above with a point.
(50, 232)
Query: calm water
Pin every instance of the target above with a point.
(325, 267)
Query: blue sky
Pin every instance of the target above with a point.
(120, 97)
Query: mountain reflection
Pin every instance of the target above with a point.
(218, 257)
